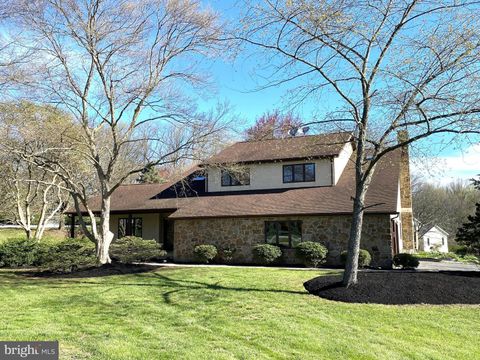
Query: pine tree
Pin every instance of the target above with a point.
(151, 175)
(469, 233)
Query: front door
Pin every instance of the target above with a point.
(167, 235)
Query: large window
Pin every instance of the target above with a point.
(129, 227)
(298, 173)
(235, 178)
(283, 233)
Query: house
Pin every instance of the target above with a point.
(433, 238)
(278, 191)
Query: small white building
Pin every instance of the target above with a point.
(433, 239)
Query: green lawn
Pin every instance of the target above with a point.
(18, 233)
(225, 313)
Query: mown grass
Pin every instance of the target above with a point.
(224, 313)
(49, 235)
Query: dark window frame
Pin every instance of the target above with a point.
(243, 178)
(292, 167)
(296, 224)
(130, 230)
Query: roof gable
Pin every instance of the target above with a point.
(432, 228)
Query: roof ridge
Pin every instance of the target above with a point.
(292, 137)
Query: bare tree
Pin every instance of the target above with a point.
(386, 66)
(117, 67)
(12, 58)
(32, 196)
(430, 204)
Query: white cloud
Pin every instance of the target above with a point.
(444, 169)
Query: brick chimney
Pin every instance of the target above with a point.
(406, 211)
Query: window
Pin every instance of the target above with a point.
(443, 241)
(235, 178)
(298, 173)
(128, 229)
(428, 241)
(283, 233)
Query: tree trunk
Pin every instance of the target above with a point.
(351, 266)
(41, 220)
(106, 236)
(61, 221)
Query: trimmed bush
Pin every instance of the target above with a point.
(205, 253)
(67, 256)
(266, 253)
(364, 258)
(406, 261)
(131, 249)
(227, 254)
(18, 252)
(311, 253)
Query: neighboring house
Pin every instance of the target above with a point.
(433, 239)
(279, 191)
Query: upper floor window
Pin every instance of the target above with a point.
(298, 173)
(236, 178)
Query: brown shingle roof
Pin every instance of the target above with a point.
(135, 196)
(301, 147)
(383, 193)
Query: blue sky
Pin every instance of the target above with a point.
(437, 159)
(235, 81)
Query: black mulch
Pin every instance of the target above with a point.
(401, 287)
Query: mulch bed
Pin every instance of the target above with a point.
(401, 287)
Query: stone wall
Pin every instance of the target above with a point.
(244, 233)
(406, 213)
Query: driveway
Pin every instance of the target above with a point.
(447, 265)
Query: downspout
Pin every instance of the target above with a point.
(394, 235)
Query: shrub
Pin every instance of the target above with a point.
(461, 250)
(205, 253)
(451, 256)
(67, 256)
(406, 261)
(311, 253)
(131, 249)
(364, 258)
(266, 253)
(18, 252)
(471, 258)
(227, 254)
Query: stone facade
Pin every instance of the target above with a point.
(406, 212)
(244, 233)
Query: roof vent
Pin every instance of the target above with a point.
(298, 131)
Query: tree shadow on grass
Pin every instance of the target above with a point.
(185, 285)
(92, 272)
(145, 275)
